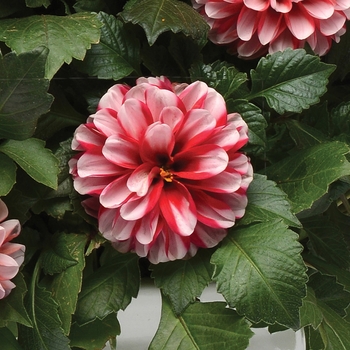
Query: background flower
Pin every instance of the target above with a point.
(162, 160)
(252, 28)
(11, 254)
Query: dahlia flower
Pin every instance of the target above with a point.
(162, 167)
(252, 28)
(11, 254)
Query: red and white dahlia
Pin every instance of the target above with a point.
(11, 254)
(252, 28)
(162, 160)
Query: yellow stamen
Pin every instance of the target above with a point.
(166, 175)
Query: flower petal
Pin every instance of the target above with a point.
(116, 193)
(157, 144)
(5, 288)
(173, 117)
(122, 151)
(197, 127)
(257, 5)
(247, 23)
(178, 208)
(200, 162)
(300, 23)
(157, 99)
(320, 9)
(194, 95)
(114, 97)
(91, 185)
(138, 208)
(213, 212)
(225, 182)
(141, 178)
(12, 228)
(87, 138)
(333, 24)
(207, 237)
(90, 164)
(148, 227)
(134, 117)
(8, 267)
(106, 121)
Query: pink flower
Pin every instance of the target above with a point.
(11, 254)
(252, 28)
(161, 164)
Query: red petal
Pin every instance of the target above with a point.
(247, 23)
(158, 144)
(320, 9)
(333, 24)
(157, 100)
(300, 23)
(213, 212)
(178, 208)
(122, 151)
(134, 117)
(200, 162)
(207, 237)
(114, 97)
(197, 127)
(141, 179)
(90, 164)
(106, 121)
(138, 208)
(116, 193)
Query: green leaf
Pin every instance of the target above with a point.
(61, 115)
(220, 76)
(159, 16)
(342, 276)
(327, 241)
(8, 340)
(304, 135)
(38, 3)
(290, 81)
(46, 333)
(184, 280)
(306, 175)
(329, 292)
(267, 202)
(313, 339)
(95, 334)
(24, 94)
(335, 190)
(109, 289)
(309, 314)
(7, 174)
(254, 119)
(66, 37)
(36, 160)
(66, 286)
(12, 307)
(57, 257)
(116, 55)
(333, 329)
(204, 326)
(340, 117)
(259, 270)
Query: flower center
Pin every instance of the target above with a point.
(166, 175)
